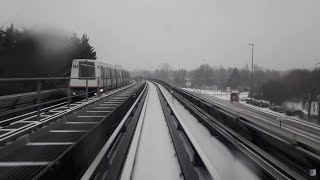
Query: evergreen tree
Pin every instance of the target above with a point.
(86, 50)
(234, 79)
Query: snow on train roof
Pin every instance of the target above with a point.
(101, 63)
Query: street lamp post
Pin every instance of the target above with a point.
(251, 79)
(204, 71)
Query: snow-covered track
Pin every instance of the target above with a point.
(192, 163)
(270, 167)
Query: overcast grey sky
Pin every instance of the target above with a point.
(145, 33)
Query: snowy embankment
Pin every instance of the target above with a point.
(217, 93)
(244, 95)
(299, 106)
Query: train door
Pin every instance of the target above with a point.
(123, 77)
(114, 77)
(127, 77)
(117, 77)
(105, 77)
(121, 80)
(100, 77)
(109, 80)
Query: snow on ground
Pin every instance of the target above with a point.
(217, 93)
(226, 165)
(281, 115)
(155, 158)
(299, 106)
(244, 95)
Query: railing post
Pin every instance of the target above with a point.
(98, 88)
(87, 89)
(111, 83)
(116, 81)
(106, 85)
(69, 94)
(38, 98)
(103, 84)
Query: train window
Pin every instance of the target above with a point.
(86, 69)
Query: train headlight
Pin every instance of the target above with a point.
(101, 90)
(95, 93)
(74, 93)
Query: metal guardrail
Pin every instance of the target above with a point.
(39, 83)
(13, 135)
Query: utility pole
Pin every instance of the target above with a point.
(317, 85)
(179, 79)
(204, 71)
(251, 79)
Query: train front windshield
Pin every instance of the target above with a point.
(86, 69)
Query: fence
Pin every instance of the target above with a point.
(38, 83)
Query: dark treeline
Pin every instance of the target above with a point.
(33, 53)
(206, 76)
(297, 85)
(39, 53)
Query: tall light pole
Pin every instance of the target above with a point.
(179, 76)
(251, 79)
(204, 71)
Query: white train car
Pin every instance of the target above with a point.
(96, 75)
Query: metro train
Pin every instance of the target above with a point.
(96, 75)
